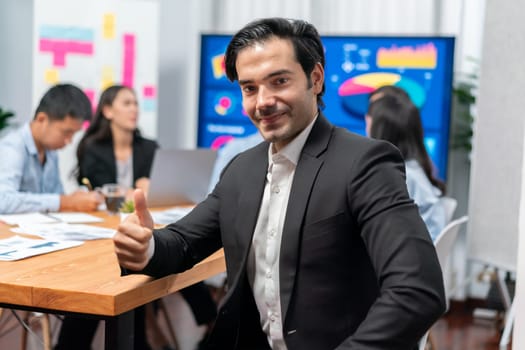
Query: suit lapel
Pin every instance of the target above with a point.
(250, 199)
(305, 174)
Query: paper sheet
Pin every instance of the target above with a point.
(65, 231)
(27, 218)
(75, 218)
(17, 247)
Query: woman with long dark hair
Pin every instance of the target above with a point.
(394, 118)
(112, 149)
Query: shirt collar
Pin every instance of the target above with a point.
(292, 151)
(28, 139)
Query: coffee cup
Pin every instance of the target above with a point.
(114, 195)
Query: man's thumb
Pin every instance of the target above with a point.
(141, 209)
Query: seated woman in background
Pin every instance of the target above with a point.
(113, 151)
(394, 118)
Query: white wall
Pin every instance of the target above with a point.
(180, 25)
(16, 33)
(498, 139)
(518, 340)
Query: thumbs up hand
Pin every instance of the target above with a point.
(134, 235)
(141, 209)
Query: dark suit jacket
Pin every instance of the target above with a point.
(357, 267)
(100, 166)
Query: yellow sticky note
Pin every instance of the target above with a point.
(108, 77)
(108, 26)
(51, 76)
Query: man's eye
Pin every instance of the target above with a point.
(281, 81)
(248, 89)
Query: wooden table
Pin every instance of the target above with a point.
(86, 280)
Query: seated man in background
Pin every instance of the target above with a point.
(29, 174)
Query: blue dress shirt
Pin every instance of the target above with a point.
(26, 185)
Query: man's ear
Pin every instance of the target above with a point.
(317, 78)
(41, 117)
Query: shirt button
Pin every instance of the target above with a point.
(272, 232)
(276, 189)
(268, 274)
(272, 318)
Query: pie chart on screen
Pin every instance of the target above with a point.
(354, 92)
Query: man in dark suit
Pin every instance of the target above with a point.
(324, 249)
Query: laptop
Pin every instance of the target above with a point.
(180, 176)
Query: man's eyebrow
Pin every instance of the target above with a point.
(271, 75)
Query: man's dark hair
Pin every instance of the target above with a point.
(304, 37)
(64, 100)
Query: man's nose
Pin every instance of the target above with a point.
(265, 98)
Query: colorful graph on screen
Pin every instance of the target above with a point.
(422, 56)
(218, 67)
(354, 92)
(224, 103)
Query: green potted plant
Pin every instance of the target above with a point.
(461, 131)
(127, 207)
(464, 91)
(4, 118)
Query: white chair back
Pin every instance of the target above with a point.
(446, 238)
(444, 244)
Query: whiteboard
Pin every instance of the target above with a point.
(497, 158)
(95, 44)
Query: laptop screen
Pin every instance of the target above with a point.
(180, 176)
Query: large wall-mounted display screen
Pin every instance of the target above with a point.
(355, 66)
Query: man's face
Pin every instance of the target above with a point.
(277, 95)
(56, 134)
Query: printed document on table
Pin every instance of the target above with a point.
(27, 218)
(75, 218)
(41, 218)
(65, 232)
(17, 247)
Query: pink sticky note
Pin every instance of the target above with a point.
(128, 56)
(149, 91)
(90, 93)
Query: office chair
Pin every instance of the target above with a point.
(444, 243)
(44, 323)
(25, 320)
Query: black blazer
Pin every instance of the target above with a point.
(100, 166)
(357, 267)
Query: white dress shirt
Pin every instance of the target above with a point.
(263, 262)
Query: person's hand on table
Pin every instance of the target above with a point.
(133, 236)
(80, 201)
